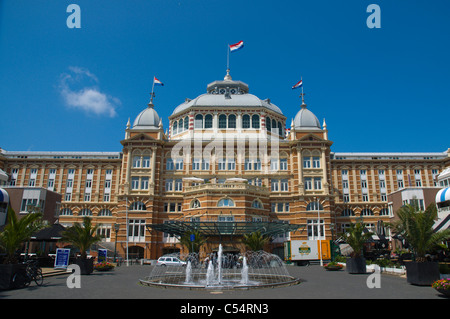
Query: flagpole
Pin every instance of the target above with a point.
(228, 56)
(151, 94)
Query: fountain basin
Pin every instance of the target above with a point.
(247, 271)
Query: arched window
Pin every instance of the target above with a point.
(137, 206)
(85, 212)
(66, 212)
(255, 121)
(175, 128)
(186, 123)
(257, 204)
(348, 212)
(195, 203)
(180, 125)
(366, 212)
(225, 202)
(208, 121)
(274, 124)
(105, 212)
(222, 121)
(246, 121)
(268, 124)
(314, 206)
(198, 123)
(384, 212)
(280, 129)
(231, 121)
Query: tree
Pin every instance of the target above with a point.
(416, 227)
(82, 236)
(192, 246)
(356, 238)
(255, 241)
(17, 231)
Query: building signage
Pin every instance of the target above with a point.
(62, 258)
(102, 253)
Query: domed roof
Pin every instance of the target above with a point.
(227, 93)
(305, 119)
(147, 119)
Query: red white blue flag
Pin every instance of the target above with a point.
(298, 84)
(157, 82)
(236, 46)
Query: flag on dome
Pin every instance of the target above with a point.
(236, 46)
(157, 82)
(298, 84)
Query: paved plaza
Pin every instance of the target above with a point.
(316, 283)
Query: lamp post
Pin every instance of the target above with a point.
(116, 229)
(319, 231)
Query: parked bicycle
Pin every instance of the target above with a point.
(31, 272)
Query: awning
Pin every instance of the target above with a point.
(4, 197)
(225, 228)
(443, 195)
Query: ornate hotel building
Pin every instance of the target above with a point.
(226, 166)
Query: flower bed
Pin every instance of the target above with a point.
(443, 286)
(103, 266)
(333, 266)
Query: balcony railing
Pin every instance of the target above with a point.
(226, 186)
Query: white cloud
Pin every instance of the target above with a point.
(87, 98)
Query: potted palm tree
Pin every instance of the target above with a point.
(82, 237)
(15, 233)
(416, 227)
(356, 237)
(255, 241)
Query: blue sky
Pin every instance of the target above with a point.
(380, 90)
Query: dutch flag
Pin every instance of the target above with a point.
(236, 46)
(298, 84)
(157, 82)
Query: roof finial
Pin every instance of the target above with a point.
(228, 76)
(150, 104)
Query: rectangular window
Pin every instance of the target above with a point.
(345, 184)
(317, 183)
(315, 229)
(68, 197)
(316, 162)
(307, 162)
(365, 197)
(196, 164)
(179, 164)
(136, 161)
(107, 184)
(134, 182)
(136, 230)
(50, 184)
(106, 197)
(146, 161)
(178, 185)
(169, 185)
(222, 164)
(308, 183)
(169, 164)
(274, 184)
(87, 197)
(274, 164)
(283, 164)
(205, 164)
(231, 164)
(144, 182)
(284, 185)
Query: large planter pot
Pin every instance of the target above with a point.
(422, 274)
(356, 265)
(86, 266)
(6, 274)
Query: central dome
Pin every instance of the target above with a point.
(227, 93)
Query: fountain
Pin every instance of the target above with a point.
(224, 271)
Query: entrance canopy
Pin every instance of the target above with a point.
(225, 228)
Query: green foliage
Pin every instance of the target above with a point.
(255, 241)
(17, 231)
(199, 240)
(82, 236)
(356, 238)
(416, 227)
